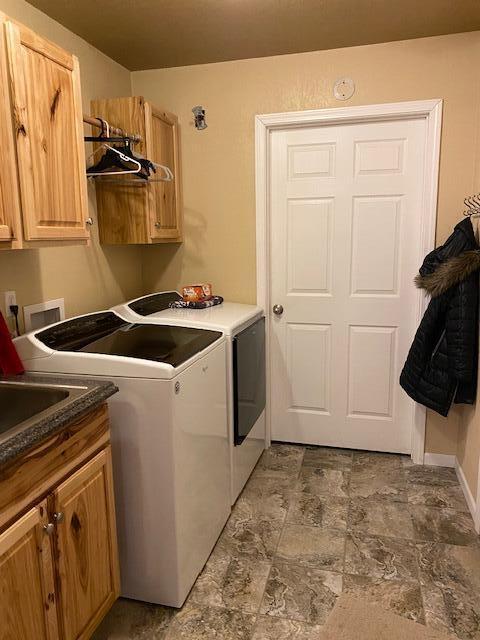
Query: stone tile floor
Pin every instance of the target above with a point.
(312, 522)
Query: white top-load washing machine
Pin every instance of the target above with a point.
(244, 327)
(169, 439)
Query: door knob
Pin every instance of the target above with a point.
(277, 309)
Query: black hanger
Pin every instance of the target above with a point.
(147, 166)
(112, 159)
(109, 160)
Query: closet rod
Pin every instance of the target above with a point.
(95, 122)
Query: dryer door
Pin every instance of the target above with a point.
(248, 378)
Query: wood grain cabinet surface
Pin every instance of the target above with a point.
(27, 585)
(10, 212)
(136, 213)
(43, 191)
(59, 572)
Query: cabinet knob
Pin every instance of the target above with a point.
(49, 528)
(157, 225)
(89, 221)
(59, 517)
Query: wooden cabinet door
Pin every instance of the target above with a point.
(162, 138)
(10, 225)
(48, 129)
(27, 591)
(86, 547)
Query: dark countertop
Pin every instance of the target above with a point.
(97, 392)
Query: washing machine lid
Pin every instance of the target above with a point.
(107, 334)
(228, 317)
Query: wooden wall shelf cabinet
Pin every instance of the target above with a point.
(59, 572)
(43, 188)
(150, 213)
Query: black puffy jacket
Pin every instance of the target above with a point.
(441, 365)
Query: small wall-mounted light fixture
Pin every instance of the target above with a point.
(199, 115)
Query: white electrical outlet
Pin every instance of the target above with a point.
(10, 300)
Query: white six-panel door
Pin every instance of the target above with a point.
(346, 216)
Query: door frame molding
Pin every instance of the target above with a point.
(431, 111)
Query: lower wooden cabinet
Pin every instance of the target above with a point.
(27, 586)
(59, 572)
(86, 547)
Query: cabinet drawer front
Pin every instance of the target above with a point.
(49, 136)
(86, 556)
(27, 603)
(31, 476)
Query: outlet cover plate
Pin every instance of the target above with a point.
(10, 300)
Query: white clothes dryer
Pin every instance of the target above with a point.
(244, 327)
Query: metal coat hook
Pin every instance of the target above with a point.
(199, 115)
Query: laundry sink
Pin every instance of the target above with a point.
(22, 404)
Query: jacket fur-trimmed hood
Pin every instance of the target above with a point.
(449, 273)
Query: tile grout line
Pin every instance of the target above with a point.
(347, 522)
(415, 543)
(406, 475)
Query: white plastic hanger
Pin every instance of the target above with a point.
(168, 172)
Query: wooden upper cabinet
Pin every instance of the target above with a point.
(48, 132)
(27, 588)
(141, 213)
(161, 130)
(86, 556)
(10, 221)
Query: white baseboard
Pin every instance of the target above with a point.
(471, 503)
(439, 460)
(442, 460)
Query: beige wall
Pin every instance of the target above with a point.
(468, 451)
(468, 446)
(218, 170)
(88, 278)
(218, 163)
